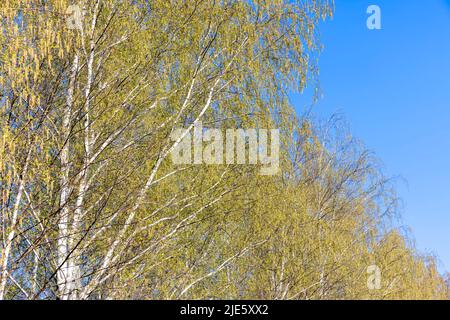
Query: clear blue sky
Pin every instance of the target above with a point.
(393, 87)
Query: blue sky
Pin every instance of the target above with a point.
(393, 88)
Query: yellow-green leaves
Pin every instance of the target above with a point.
(92, 205)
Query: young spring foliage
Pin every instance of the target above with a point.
(92, 206)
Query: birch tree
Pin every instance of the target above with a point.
(92, 207)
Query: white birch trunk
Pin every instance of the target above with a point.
(62, 274)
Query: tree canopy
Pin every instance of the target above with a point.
(93, 207)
